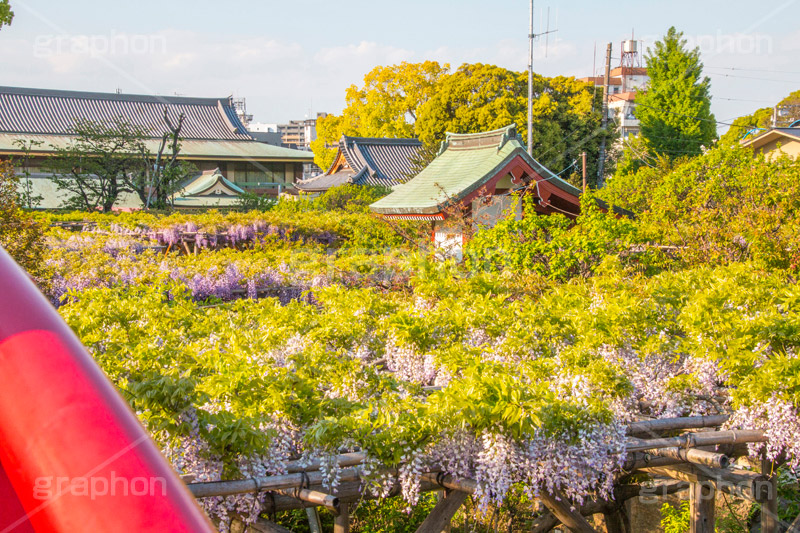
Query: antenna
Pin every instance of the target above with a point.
(547, 32)
(531, 37)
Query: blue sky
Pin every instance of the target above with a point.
(291, 57)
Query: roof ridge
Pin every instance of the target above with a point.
(120, 97)
(478, 135)
(381, 140)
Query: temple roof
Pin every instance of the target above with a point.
(51, 112)
(209, 183)
(367, 161)
(466, 162)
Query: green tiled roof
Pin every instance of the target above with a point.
(465, 163)
(198, 184)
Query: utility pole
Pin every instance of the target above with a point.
(530, 83)
(583, 169)
(602, 162)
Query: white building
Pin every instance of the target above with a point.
(624, 81)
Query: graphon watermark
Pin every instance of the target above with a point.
(113, 44)
(723, 43)
(49, 487)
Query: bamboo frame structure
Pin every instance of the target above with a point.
(691, 460)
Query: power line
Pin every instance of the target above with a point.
(752, 78)
(742, 99)
(758, 70)
(683, 115)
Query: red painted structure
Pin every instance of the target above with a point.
(73, 456)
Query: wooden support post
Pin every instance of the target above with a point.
(341, 523)
(561, 508)
(613, 522)
(583, 169)
(442, 513)
(769, 505)
(794, 527)
(441, 495)
(313, 520)
(701, 507)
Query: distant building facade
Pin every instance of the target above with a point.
(212, 137)
(624, 81)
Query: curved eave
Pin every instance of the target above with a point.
(196, 150)
(416, 217)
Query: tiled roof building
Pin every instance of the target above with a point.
(212, 134)
(367, 161)
(475, 180)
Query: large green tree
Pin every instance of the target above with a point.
(675, 109)
(386, 106)
(566, 118)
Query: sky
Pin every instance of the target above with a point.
(294, 58)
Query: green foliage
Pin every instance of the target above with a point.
(675, 109)
(724, 206)
(21, 235)
(93, 169)
(760, 119)
(426, 100)
(255, 202)
(566, 118)
(553, 246)
(390, 516)
(27, 198)
(549, 328)
(675, 520)
(386, 106)
(6, 15)
(106, 160)
(348, 197)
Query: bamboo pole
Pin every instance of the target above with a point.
(314, 523)
(344, 460)
(693, 455)
(449, 482)
(742, 484)
(559, 506)
(650, 427)
(696, 440)
(244, 486)
(265, 526)
(312, 496)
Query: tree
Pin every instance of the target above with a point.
(760, 119)
(386, 106)
(160, 178)
(6, 15)
(108, 159)
(566, 113)
(20, 234)
(674, 111)
(426, 100)
(95, 168)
